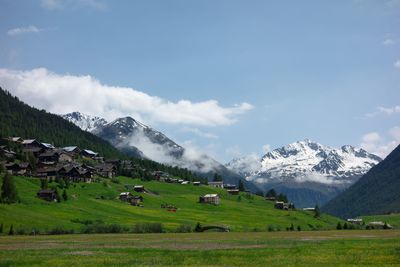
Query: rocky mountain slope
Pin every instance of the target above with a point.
(308, 172)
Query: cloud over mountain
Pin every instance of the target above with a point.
(66, 93)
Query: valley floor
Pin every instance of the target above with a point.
(312, 248)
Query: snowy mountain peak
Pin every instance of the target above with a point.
(307, 160)
(84, 121)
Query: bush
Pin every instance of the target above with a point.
(271, 228)
(20, 231)
(198, 228)
(184, 228)
(60, 231)
(101, 228)
(148, 228)
(115, 180)
(338, 226)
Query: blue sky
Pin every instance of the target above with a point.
(263, 73)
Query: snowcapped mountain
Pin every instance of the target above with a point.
(84, 121)
(308, 165)
(139, 140)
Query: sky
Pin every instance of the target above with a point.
(229, 78)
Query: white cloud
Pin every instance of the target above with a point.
(388, 42)
(396, 64)
(376, 144)
(22, 30)
(62, 94)
(198, 132)
(246, 165)
(60, 4)
(384, 110)
(266, 148)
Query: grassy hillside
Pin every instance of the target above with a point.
(98, 201)
(377, 192)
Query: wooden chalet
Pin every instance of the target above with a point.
(31, 143)
(47, 194)
(49, 156)
(125, 196)
(106, 170)
(216, 184)
(139, 188)
(283, 206)
(72, 150)
(136, 200)
(23, 168)
(15, 139)
(210, 199)
(4, 152)
(89, 153)
(233, 191)
(49, 172)
(229, 186)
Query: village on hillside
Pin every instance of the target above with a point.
(32, 158)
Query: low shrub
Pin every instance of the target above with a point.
(101, 228)
(184, 228)
(60, 231)
(148, 228)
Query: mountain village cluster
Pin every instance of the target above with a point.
(29, 157)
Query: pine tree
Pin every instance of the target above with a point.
(8, 190)
(339, 226)
(291, 227)
(44, 183)
(11, 231)
(241, 186)
(64, 195)
(298, 228)
(2, 168)
(317, 212)
(1, 228)
(345, 226)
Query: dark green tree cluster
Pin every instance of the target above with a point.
(279, 197)
(241, 186)
(8, 190)
(217, 177)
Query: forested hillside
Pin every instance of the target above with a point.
(377, 192)
(19, 119)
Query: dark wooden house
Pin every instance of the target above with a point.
(47, 194)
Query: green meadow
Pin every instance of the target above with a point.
(311, 248)
(99, 202)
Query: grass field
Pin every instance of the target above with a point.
(97, 201)
(312, 248)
